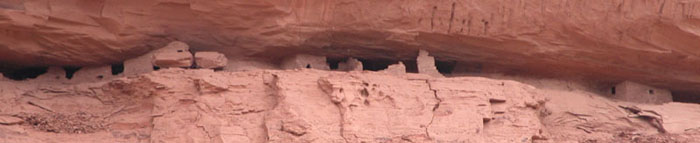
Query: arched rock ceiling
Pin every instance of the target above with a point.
(651, 41)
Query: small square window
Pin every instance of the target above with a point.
(612, 90)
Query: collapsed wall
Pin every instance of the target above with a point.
(53, 74)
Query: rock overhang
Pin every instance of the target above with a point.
(603, 41)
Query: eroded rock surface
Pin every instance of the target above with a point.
(307, 105)
(274, 106)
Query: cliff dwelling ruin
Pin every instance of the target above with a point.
(635, 92)
(178, 55)
(423, 67)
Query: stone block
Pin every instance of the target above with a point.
(138, 65)
(426, 64)
(145, 63)
(210, 60)
(170, 59)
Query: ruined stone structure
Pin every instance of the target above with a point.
(426, 64)
(141, 64)
(635, 92)
(93, 73)
(399, 68)
(53, 74)
(144, 63)
(351, 64)
(176, 54)
(305, 61)
(168, 60)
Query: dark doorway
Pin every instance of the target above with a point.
(612, 90)
(376, 64)
(25, 73)
(117, 68)
(70, 71)
(333, 63)
(686, 97)
(445, 67)
(411, 66)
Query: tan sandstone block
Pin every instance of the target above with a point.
(426, 64)
(210, 60)
(177, 59)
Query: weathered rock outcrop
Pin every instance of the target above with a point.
(308, 105)
(276, 106)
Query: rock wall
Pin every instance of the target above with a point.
(306, 105)
(175, 105)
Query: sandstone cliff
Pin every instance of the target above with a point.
(320, 106)
(306, 71)
(652, 41)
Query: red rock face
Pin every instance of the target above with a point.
(653, 42)
(309, 105)
(306, 105)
